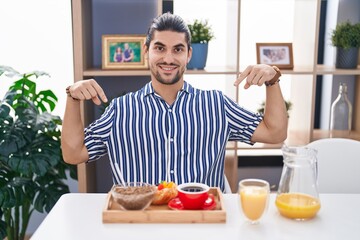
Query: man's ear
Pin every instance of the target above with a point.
(189, 55)
(146, 51)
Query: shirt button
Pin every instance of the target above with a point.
(170, 110)
(171, 139)
(172, 171)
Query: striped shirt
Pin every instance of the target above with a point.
(148, 140)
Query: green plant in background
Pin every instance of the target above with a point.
(200, 31)
(346, 35)
(32, 170)
(288, 106)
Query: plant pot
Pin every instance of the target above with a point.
(347, 58)
(199, 56)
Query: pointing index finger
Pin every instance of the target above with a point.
(100, 91)
(242, 76)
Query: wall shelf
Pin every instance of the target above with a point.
(323, 70)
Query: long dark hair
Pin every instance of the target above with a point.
(168, 22)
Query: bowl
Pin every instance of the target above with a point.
(193, 195)
(133, 195)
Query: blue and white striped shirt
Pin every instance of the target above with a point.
(150, 141)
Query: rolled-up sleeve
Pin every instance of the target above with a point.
(242, 122)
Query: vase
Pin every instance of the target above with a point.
(347, 58)
(199, 56)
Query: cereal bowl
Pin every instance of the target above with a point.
(133, 196)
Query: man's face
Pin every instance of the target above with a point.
(168, 55)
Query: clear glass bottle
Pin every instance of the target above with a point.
(341, 112)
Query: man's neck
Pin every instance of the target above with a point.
(167, 92)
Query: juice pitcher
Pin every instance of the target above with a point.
(298, 196)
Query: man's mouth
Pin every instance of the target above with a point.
(168, 69)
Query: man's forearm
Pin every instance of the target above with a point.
(72, 135)
(275, 115)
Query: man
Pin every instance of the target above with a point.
(128, 53)
(169, 130)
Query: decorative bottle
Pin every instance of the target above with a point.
(341, 112)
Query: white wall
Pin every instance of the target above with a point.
(37, 35)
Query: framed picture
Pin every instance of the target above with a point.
(278, 54)
(123, 52)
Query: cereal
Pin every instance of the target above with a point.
(134, 197)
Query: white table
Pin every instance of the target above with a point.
(79, 216)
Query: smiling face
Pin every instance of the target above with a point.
(168, 55)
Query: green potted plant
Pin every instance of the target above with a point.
(32, 170)
(201, 34)
(346, 38)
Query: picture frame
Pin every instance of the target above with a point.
(123, 52)
(278, 54)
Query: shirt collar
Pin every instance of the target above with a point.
(148, 88)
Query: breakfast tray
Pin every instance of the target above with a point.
(112, 213)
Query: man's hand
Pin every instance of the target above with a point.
(88, 89)
(256, 75)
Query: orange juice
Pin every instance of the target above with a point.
(297, 205)
(253, 201)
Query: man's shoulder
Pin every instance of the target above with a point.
(197, 91)
(132, 95)
(208, 92)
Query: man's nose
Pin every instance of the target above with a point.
(168, 57)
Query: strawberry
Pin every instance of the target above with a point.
(165, 184)
(160, 186)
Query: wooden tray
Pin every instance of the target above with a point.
(163, 214)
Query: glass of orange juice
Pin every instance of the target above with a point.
(254, 198)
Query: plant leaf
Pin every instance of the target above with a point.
(9, 71)
(48, 122)
(9, 97)
(47, 97)
(37, 157)
(51, 189)
(38, 74)
(4, 112)
(2, 227)
(14, 134)
(31, 144)
(11, 187)
(16, 131)
(26, 89)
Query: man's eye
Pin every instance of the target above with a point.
(159, 48)
(178, 50)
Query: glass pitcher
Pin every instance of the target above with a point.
(298, 196)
